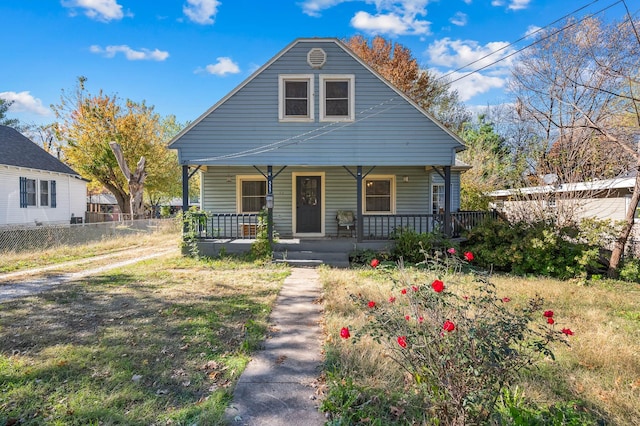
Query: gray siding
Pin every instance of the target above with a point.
(388, 130)
(412, 197)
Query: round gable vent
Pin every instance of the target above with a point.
(316, 58)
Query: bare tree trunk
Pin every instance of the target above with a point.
(621, 241)
(135, 180)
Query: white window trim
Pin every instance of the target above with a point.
(239, 180)
(310, 91)
(391, 178)
(352, 90)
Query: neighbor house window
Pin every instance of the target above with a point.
(252, 193)
(296, 102)
(44, 193)
(28, 196)
(379, 194)
(337, 97)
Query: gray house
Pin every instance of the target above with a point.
(316, 137)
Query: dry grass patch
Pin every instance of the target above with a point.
(159, 342)
(600, 370)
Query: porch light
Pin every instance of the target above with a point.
(269, 201)
(405, 178)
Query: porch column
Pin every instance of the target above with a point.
(185, 188)
(447, 200)
(270, 204)
(359, 231)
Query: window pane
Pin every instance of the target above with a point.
(31, 192)
(44, 192)
(379, 187)
(337, 89)
(295, 89)
(378, 204)
(253, 195)
(337, 107)
(296, 107)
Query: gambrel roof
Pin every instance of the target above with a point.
(387, 128)
(19, 151)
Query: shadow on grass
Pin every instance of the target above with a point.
(123, 344)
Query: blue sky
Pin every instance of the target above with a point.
(182, 56)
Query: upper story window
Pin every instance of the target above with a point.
(295, 97)
(337, 100)
(379, 194)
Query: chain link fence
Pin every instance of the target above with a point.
(24, 238)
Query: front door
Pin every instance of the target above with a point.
(308, 204)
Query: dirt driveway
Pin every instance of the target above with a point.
(33, 281)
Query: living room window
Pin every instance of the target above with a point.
(252, 191)
(379, 194)
(337, 97)
(295, 99)
(30, 192)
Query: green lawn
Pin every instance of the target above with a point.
(159, 342)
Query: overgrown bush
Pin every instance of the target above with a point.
(411, 246)
(462, 345)
(538, 248)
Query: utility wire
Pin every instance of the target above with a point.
(535, 42)
(518, 40)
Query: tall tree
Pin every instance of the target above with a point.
(4, 109)
(88, 123)
(580, 84)
(396, 63)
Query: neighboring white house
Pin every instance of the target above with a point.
(35, 187)
(606, 199)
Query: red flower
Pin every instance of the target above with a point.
(403, 291)
(567, 331)
(548, 314)
(437, 285)
(451, 250)
(420, 319)
(372, 304)
(402, 341)
(550, 320)
(506, 300)
(407, 317)
(468, 256)
(344, 333)
(414, 288)
(392, 299)
(375, 263)
(448, 326)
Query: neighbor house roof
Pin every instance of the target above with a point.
(19, 151)
(596, 185)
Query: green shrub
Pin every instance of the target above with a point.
(411, 246)
(538, 248)
(630, 270)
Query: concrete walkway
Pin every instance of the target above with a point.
(276, 387)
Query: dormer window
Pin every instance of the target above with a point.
(295, 97)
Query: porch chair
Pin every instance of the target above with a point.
(346, 221)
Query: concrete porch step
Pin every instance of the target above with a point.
(338, 259)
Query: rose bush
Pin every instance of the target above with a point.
(461, 345)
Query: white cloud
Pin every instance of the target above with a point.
(513, 4)
(131, 54)
(223, 67)
(531, 29)
(315, 7)
(474, 84)
(101, 10)
(467, 1)
(25, 102)
(457, 53)
(460, 19)
(393, 17)
(201, 11)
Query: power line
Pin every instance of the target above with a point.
(533, 43)
(519, 40)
